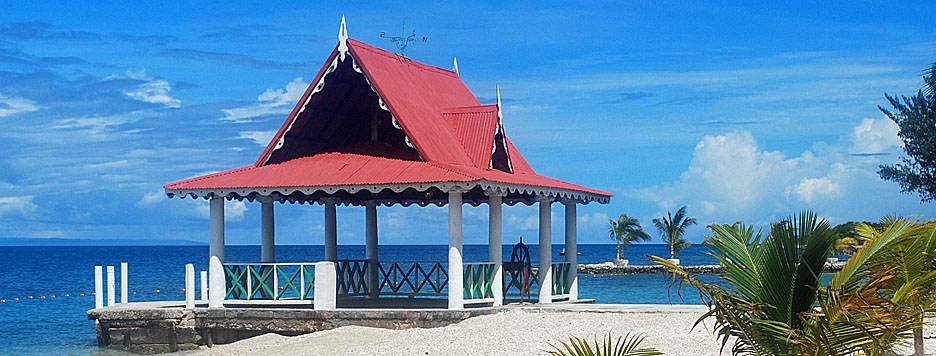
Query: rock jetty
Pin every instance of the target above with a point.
(611, 268)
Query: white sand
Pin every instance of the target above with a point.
(522, 331)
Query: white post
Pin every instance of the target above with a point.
(216, 229)
(325, 294)
(370, 250)
(456, 290)
(496, 243)
(217, 287)
(331, 229)
(267, 232)
(203, 278)
(123, 283)
(189, 286)
(111, 288)
(571, 246)
(545, 248)
(98, 287)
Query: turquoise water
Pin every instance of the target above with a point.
(59, 326)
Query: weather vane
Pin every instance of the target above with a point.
(404, 40)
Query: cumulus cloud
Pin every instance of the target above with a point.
(13, 105)
(154, 91)
(271, 101)
(875, 136)
(233, 210)
(814, 188)
(17, 206)
(150, 199)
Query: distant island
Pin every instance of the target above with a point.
(19, 241)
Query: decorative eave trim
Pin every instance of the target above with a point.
(516, 193)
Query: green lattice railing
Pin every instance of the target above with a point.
(478, 278)
(410, 278)
(560, 278)
(352, 277)
(269, 281)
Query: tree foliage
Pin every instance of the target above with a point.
(672, 228)
(916, 117)
(625, 230)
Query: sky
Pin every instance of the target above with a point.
(740, 111)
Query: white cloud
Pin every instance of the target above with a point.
(233, 210)
(12, 105)
(271, 101)
(22, 206)
(152, 198)
(261, 138)
(809, 189)
(875, 136)
(155, 91)
(596, 220)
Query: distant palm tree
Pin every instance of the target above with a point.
(672, 228)
(626, 230)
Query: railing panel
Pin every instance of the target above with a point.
(269, 281)
(352, 277)
(478, 281)
(410, 278)
(560, 278)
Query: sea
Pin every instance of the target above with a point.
(46, 291)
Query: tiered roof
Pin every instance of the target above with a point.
(376, 125)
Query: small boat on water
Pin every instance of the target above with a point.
(562, 253)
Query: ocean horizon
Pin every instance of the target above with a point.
(48, 289)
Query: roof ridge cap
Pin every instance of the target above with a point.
(357, 44)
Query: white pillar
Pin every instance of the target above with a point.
(189, 286)
(325, 294)
(456, 289)
(545, 248)
(203, 280)
(267, 231)
(123, 283)
(98, 287)
(110, 285)
(216, 279)
(370, 250)
(331, 229)
(216, 229)
(496, 243)
(571, 246)
(217, 287)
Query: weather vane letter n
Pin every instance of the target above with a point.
(403, 40)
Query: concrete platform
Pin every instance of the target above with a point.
(159, 327)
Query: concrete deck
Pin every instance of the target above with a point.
(159, 327)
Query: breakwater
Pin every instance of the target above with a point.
(611, 268)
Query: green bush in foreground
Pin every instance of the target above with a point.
(624, 346)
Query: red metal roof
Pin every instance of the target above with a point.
(453, 135)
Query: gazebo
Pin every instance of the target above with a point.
(377, 129)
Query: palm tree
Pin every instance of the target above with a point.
(626, 230)
(672, 228)
(771, 307)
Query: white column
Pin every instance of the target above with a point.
(216, 283)
(267, 231)
(110, 285)
(203, 280)
(545, 248)
(123, 282)
(216, 277)
(216, 229)
(189, 286)
(325, 293)
(571, 246)
(496, 243)
(370, 250)
(98, 287)
(456, 289)
(331, 229)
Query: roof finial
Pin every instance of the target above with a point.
(455, 65)
(500, 115)
(343, 38)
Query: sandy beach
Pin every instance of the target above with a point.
(517, 331)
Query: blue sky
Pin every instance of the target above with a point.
(738, 111)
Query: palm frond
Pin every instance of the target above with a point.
(626, 345)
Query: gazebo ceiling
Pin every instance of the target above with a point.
(374, 125)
